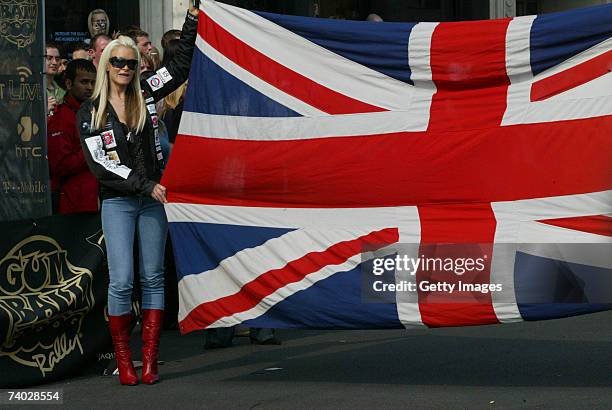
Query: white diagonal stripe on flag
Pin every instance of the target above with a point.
(247, 264)
(584, 56)
(283, 293)
(255, 82)
(588, 100)
(311, 60)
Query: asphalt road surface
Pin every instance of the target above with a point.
(555, 364)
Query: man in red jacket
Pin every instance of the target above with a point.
(70, 176)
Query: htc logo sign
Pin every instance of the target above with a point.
(28, 152)
(26, 130)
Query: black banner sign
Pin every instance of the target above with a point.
(53, 284)
(24, 171)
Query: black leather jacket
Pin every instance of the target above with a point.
(106, 150)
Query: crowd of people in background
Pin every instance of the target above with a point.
(64, 96)
(67, 66)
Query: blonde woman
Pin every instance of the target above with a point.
(98, 22)
(119, 135)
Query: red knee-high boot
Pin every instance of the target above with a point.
(151, 330)
(120, 333)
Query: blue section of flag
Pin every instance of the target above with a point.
(549, 288)
(212, 90)
(555, 37)
(213, 242)
(332, 303)
(380, 46)
(544, 311)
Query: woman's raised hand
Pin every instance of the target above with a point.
(194, 11)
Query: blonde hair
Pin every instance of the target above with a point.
(173, 99)
(135, 105)
(148, 62)
(155, 57)
(90, 24)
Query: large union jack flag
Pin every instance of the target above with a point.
(305, 141)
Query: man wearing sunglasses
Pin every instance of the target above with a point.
(55, 93)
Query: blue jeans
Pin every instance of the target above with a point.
(121, 219)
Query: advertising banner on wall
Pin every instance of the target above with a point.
(53, 284)
(24, 174)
